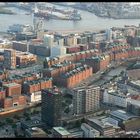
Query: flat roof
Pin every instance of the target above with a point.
(36, 131)
(100, 122)
(123, 115)
(61, 130)
(89, 127)
(11, 84)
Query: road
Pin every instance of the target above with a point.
(31, 69)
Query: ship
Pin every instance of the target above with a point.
(54, 13)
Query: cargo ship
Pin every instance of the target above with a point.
(53, 13)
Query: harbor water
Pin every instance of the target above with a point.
(89, 22)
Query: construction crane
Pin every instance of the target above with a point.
(38, 24)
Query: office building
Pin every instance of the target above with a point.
(48, 40)
(58, 51)
(133, 105)
(105, 129)
(86, 99)
(51, 107)
(9, 59)
(89, 132)
(115, 98)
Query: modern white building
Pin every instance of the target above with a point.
(58, 51)
(86, 99)
(115, 98)
(48, 40)
(60, 42)
(89, 132)
(34, 97)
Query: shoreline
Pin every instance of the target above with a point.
(17, 110)
(96, 14)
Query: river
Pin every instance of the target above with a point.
(89, 22)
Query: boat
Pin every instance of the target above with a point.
(53, 13)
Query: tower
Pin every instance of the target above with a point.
(51, 107)
(9, 59)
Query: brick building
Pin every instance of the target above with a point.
(74, 57)
(36, 85)
(98, 62)
(12, 89)
(74, 77)
(58, 69)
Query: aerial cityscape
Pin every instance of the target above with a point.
(69, 70)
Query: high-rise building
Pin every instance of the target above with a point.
(51, 107)
(9, 58)
(48, 40)
(86, 99)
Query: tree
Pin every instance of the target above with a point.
(9, 120)
(77, 123)
(1, 123)
(64, 124)
(28, 118)
(67, 110)
(83, 120)
(26, 114)
(16, 117)
(14, 126)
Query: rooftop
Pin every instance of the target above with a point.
(100, 122)
(89, 127)
(37, 132)
(123, 115)
(53, 90)
(61, 130)
(11, 84)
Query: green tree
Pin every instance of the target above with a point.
(9, 120)
(67, 110)
(83, 120)
(28, 118)
(1, 123)
(26, 114)
(16, 117)
(14, 126)
(77, 123)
